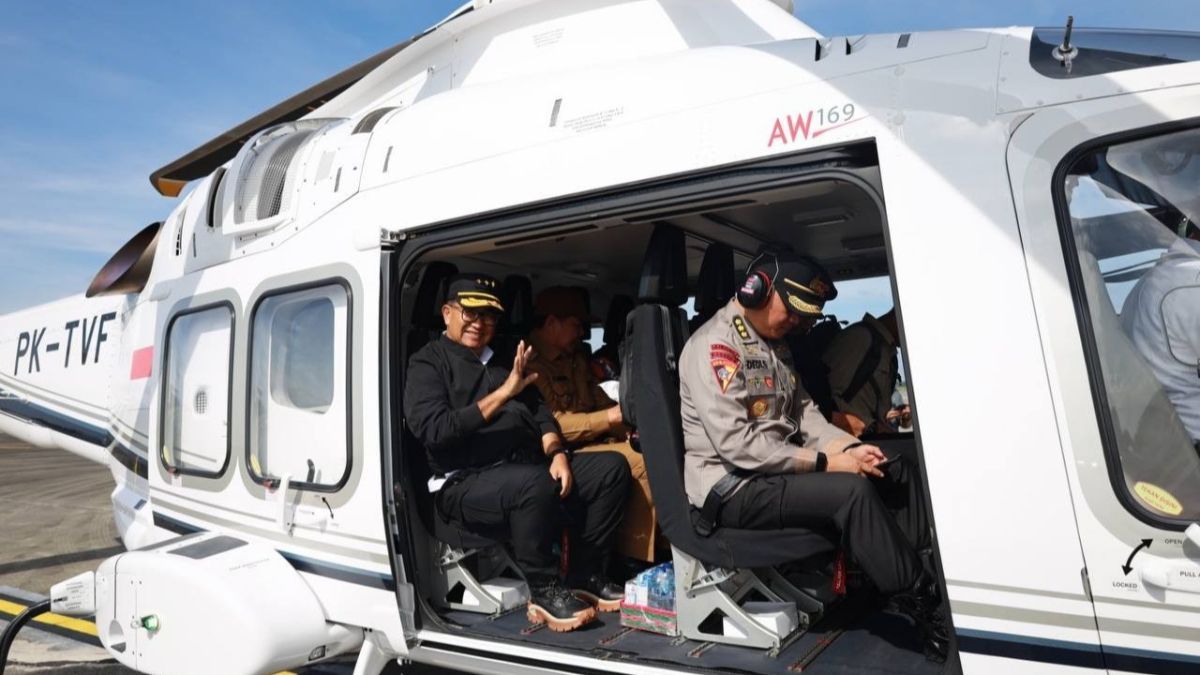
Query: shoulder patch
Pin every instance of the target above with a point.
(725, 362)
(739, 324)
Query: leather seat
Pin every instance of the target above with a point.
(614, 329)
(425, 319)
(452, 584)
(516, 294)
(716, 283)
(654, 338)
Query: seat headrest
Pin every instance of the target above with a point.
(431, 293)
(717, 281)
(664, 277)
(516, 294)
(614, 323)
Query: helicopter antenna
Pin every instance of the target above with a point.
(1065, 53)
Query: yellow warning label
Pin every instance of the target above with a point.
(1158, 498)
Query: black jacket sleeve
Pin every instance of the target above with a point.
(532, 399)
(427, 407)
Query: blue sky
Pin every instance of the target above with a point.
(96, 95)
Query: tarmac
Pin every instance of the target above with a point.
(55, 522)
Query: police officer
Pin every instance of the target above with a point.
(759, 454)
(492, 440)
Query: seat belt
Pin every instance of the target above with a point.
(711, 511)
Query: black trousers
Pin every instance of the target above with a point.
(883, 521)
(520, 503)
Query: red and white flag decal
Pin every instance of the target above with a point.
(143, 363)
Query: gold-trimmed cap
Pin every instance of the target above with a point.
(475, 291)
(803, 284)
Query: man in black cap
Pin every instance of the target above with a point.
(759, 454)
(500, 463)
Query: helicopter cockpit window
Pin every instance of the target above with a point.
(299, 399)
(195, 427)
(1134, 208)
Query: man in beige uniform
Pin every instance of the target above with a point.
(759, 454)
(863, 367)
(590, 421)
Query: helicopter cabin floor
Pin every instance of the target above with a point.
(855, 637)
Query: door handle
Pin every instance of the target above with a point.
(1176, 576)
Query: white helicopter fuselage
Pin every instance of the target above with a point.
(523, 104)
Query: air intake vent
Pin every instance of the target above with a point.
(179, 234)
(263, 181)
(367, 124)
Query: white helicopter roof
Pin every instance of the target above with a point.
(505, 40)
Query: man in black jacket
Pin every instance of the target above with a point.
(500, 463)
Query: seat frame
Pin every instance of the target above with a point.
(714, 574)
(452, 573)
(702, 591)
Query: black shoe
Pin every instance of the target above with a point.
(599, 592)
(558, 608)
(922, 604)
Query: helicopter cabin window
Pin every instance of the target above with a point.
(195, 436)
(1133, 209)
(299, 399)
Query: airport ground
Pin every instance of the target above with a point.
(56, 522)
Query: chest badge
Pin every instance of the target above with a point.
(758, 406)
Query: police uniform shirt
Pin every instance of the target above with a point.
(743, 407)
(1162, 318)
(845, 352)
(580, 406)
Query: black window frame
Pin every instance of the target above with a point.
(295, 484)
(162, 403)
(1062, 214)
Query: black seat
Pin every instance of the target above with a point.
(654, 339)
(614, 330)
(464, 560)
(425, 320)
(463, 556)
(516, 294)
(435, 523)
(716, 283)
(650, 402)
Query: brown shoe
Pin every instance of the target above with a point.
(558, 608)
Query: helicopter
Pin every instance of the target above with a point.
(240, 365)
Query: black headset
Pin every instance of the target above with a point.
(756, 289)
